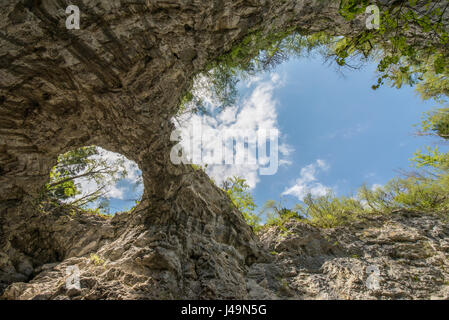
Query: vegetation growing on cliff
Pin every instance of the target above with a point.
(418, 193)
(424, 190)
(238, 191)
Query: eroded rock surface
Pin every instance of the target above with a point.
(116, 83)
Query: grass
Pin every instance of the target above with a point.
(95, 259)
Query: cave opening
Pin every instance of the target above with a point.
(96, 181)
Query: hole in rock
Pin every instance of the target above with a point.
(340, 133)
(96, 181)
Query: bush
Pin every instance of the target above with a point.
(238, 191)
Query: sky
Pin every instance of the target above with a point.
(335, 132)
(343, 133)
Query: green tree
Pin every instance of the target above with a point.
(277, 213)
(256, 53)
(411, 47)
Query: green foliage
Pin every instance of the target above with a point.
(403, 59)
(419, 194)
(349, 9)
(423, 195)
(199, 167)
(415, 193)
(426, 192)
(434, 159)
(329, 211)
(436, 122)
(238, 191)
(84, 163)
(69, 164)
(256, 53)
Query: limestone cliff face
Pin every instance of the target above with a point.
(407, 254)
(116, 83)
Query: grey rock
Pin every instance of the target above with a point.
(411, 262)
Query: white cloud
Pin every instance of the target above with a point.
(348, 132)
(256, 112)
(307, 181)
(322, 164)
(133, 176)
(375, 186)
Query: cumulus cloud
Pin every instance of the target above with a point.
(308, 182)
(286, 149)
(255, 113)
(370, 175)
(116, 192)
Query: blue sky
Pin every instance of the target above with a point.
(336, 132)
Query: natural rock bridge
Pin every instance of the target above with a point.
(116, 83)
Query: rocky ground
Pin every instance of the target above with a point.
(409, 251)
